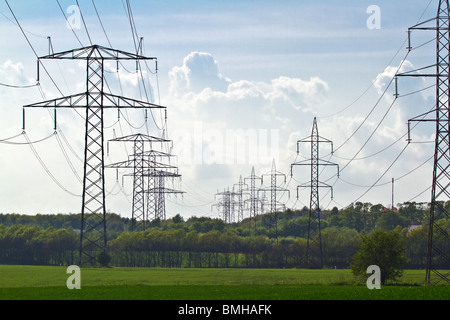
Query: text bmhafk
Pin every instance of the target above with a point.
(227, 309)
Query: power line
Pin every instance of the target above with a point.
(31, 46)
(68, 23)
(374, 81)
(84, 22)
(370, 86)
(19, 86)
(138, 48)
(371, 111)
(390, 166)
(47, 171)
(101, 23)
(6, 141)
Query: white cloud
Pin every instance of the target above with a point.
(221, 128)
(199, 71)
(13, 74)
(198, 88)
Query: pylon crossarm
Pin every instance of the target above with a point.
(140, 137)
(96, 52)
(163, 190)
(80, 100)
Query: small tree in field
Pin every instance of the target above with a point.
(381, 248)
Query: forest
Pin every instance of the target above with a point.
(273, 240)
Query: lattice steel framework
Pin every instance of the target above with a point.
(138, 163)
(240, 193)
(255, 202)
(274, 192)
(438, 259)
(226, 202)
(148, 179)
(94, 100)
(314, 252)
(156, 193)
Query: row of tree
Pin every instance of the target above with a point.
(271, 240)
(20, 244)
(155, 247)
(362, 217)
(178, 248)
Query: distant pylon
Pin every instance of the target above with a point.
(148, 179)
(139, 164)
(438, 252)
(225, 203)
(314, 240)
(157, 209)
(255, 202)
(274, 191)
(241, 188)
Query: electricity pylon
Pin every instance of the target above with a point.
(225, 203)
(314, 226)
(241, 187)
(254, 200)
(158, 192)
(438, 252)
(274, 190)
(144, 165)
(94, 100)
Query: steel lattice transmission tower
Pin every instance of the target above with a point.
(158, 191)
(274, 190)
(94, 100)
(314, 240)
(255, 202)
(226, 202)
(145, 167)
(241, 187)
(438, 253)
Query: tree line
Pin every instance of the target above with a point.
(273, 240)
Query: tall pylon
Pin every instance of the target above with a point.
(314, 252)
(94, 100)
(438, 252)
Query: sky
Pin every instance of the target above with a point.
(242, 82)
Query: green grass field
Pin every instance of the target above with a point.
(49, 283)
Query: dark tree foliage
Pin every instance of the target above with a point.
(207, 242)
(383, 249)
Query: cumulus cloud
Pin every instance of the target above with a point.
(198, 88)
(199, 71)
(233, 125)
(298, 93)
(405, 85)
(416, 95)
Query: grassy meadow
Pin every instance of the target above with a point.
(49, 283)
